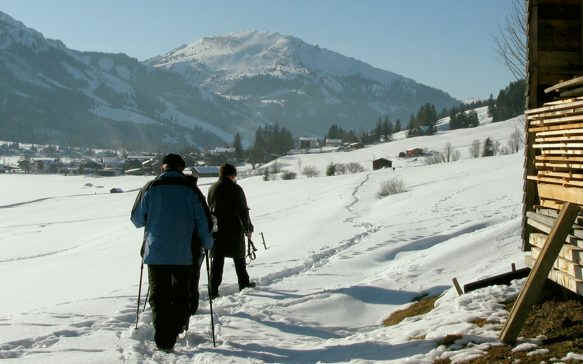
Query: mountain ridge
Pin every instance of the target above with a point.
(260, 67)
(200, 93)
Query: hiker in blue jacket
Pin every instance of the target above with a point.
(176, 228)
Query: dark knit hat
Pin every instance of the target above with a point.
(174, 161)
(227, 170)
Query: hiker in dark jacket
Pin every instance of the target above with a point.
(228, 203)
(173, 215)
(197, 249)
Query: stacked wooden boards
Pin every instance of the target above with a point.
(557, 131)
(568, 268)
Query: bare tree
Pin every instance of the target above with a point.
(310, 171)
(515, 141)
(475, 149)
(448, 153)
(511, 40)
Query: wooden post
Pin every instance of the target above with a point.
(539, 273)
(530, 195)
(513, 267)
(457, 287)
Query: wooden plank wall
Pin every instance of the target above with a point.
(555, 53)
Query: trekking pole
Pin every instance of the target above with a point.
(139, 293)
(146, 298)
(208, 274)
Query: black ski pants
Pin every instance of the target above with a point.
(170, 297)
(217, 266)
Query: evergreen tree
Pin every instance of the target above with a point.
(397, 126)
(413, 127)
(238, 147)
(489, 148)
(378, 131)
(387, 129)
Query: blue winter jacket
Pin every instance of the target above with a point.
(172, 215)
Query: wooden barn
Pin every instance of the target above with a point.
(553, 174)
(554, 136)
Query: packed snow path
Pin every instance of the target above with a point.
(339, 262)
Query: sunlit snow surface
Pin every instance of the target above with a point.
(339, 261)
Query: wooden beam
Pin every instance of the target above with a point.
(562, 278)
(549, 221)
(530, 192)
(558, 102)
(558, 165)
(557, 145)
(556, 127)
(566, 266)
(565, 158)
(558, 181)
(563, 138)
(571, 239)
(569, 252)
(565, 106)
(577, 81)
(572, 93)
(534, 284)
(555, 114)
(562, 132)
(563, 151)
(556, 192)
(568, 175)
(551, 204)
(557, 120)
(457, 286)
(505, 278)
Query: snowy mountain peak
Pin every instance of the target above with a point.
(252, 53)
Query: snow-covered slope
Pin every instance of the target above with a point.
(338, 262)
(460, 139)
(302, 86)
(53, 94)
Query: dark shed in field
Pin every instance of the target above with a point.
(381, 163)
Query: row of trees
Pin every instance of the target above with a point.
(461, 119)
(383, 129)
(270, 141)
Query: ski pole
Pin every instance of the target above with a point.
(208, 274)
(263, 239)
(139, 293)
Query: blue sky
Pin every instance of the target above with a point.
(442, 43)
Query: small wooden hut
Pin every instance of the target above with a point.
(381, 163)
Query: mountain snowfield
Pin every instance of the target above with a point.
(339, 261)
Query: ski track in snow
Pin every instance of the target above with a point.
(233, 307)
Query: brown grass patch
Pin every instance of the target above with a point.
(448, 340)
(420, 307)
(480, 322)
(419, 337)
(559, 317)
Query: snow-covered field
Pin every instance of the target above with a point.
(339, 261)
